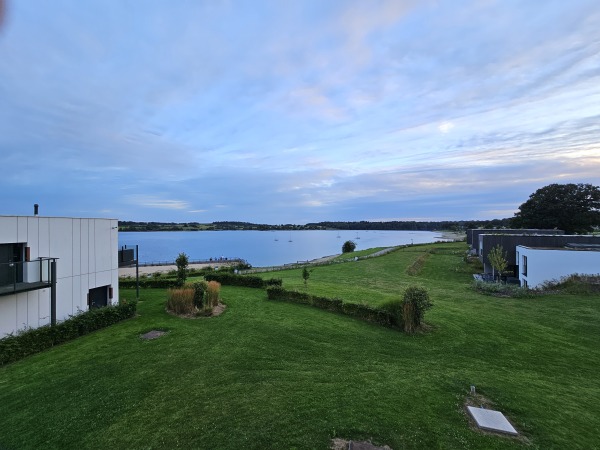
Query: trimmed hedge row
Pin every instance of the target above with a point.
(232, 279)
(150, 283)
(363, 312)
(17, 346)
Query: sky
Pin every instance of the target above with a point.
(295, 111)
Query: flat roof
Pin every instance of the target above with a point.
(59, 217)
(589, 248)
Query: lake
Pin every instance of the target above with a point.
(263, 248)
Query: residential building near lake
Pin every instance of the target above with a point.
(55, 267)
(509, 242)
(538, 265)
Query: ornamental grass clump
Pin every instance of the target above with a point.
(181, 301)
(213, 290)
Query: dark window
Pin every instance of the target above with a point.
(524, 265)
(98, 297)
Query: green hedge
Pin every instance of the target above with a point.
(363, 312)
(232, 279)
(16, 346)
(152, 283)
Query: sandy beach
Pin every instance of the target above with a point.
(148, 270)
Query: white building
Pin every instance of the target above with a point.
(87, 273)
(538, 264)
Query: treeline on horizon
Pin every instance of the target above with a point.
(446, 225)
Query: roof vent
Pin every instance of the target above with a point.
(35, 209)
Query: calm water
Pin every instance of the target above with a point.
(263, 248)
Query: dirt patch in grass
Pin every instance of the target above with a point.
(344, 444)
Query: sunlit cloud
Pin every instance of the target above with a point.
(445, 127)
(155, 202)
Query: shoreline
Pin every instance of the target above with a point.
(164, 268)
(149, 270)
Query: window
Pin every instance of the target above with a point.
(524, 271)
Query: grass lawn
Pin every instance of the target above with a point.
(277, 375)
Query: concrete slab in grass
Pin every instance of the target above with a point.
(153, 334)
(490, 420)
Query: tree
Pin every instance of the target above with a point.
(182, 262)
(348, 247)
(497, 258)
(574, 208)
(305, 275)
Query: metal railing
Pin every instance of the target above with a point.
(25, 275)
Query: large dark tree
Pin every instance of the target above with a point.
(574, 208)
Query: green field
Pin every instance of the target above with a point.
(271, 375)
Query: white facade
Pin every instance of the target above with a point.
(87, 259)
(538, 265)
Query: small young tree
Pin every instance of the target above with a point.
(305, 275)
(182, 262)
(497, 258)
(348, 247)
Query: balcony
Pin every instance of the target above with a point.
(25, 276)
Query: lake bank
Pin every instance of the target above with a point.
(265, 248)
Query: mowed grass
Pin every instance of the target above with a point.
(270, 375)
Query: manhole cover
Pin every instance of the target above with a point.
(153, 334)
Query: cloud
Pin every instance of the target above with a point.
(156, 202)
(283, 112)
(445, 127)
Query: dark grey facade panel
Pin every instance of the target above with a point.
(473, 233)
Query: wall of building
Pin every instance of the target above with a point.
(474, 233)
(553, 264)
(87, 258)
(509, 243)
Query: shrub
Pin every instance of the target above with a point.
(574, 284)
(394, 310)
(502, 289)
(27, 342)
(230, 279)
(212, 293)
(181, 301)
(348, 247)
(199, 287)
(145, 283)
(414, 304)
(363, 312)
(243, 265)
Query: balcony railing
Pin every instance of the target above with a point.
(25, 276)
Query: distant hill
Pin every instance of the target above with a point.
(360, 225)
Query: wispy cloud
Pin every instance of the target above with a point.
(284, 112)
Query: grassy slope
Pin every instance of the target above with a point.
(277, 375)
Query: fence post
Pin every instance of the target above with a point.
(53, 292)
